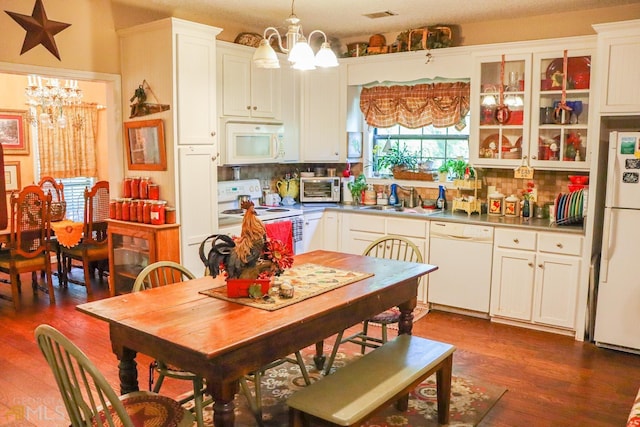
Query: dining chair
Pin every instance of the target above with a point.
(92, 249)
(28, 249)
(88, 397)
(58, 211)
(388, 247)
(158, 274)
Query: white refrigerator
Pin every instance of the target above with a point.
(617, 321)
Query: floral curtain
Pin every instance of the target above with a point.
(440, 104)
(70, 151)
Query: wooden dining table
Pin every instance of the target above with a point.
(222, 340)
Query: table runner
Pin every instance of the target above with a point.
(308, 280)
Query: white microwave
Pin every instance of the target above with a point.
(248, 143)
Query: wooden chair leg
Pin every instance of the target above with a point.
(15, 289)
(87, 277)
(52, 295)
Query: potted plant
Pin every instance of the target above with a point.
(443, 170)
(356, 187)
(396, 157)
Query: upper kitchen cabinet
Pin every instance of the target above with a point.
(499, 134)
(559, 136)
(618, 65)
(324, 111)
(530, 82)
(245, 90)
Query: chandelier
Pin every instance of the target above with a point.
(300, 54)
(51, 97)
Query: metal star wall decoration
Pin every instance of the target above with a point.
(40, 30)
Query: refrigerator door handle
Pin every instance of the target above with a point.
(612, 169)
(606, 236)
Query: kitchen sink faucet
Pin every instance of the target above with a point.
(412, 196)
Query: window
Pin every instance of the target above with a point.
(74, 196)
(427, 143)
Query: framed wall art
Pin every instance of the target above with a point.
(145, 145)
(354, 145)
(12, 176)
(14, 132)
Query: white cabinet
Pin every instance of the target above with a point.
(312, 232)
(618, 65)
(530, 75)
(359, 230)
(245, 90)
(177, 59)
(535, 277)
(324, 111)
(331, 230)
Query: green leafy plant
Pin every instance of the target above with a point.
(357, 186)
(396, 156)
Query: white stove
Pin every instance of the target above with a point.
(228, 206)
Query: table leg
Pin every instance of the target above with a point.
(405, 324)
(128, 371)
(223, 406)
(319, 357)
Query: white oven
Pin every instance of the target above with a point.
(250, 143)
(230, 213)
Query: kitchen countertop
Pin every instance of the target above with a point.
(533, 224)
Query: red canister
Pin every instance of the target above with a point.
(118, 209)
(133, 211)
(146, 212)
(158, 213)
(135, 187)
(126, 187)
(154, 192)
(144, 187)
(140, 211)
(126, 212)
(112, 209)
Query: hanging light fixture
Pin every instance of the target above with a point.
(300, 54)
(50, 96)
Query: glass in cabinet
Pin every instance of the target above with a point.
(561, 134)
(502, 99)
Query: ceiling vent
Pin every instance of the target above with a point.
(376, 15)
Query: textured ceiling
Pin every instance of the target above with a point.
(343, 19)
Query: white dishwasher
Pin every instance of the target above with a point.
(463, 254)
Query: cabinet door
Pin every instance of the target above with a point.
(500, 140)
(312, 232)
(559, 138)
(620, 56)
(330, 231)
(197, 201)
(265, 92)
(196, 83)
(512, 284)
(236, 85)
(324, 115)
(556, 290)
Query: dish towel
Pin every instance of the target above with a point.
(281, 230)
(298, 223)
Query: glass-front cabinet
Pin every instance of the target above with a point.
(502, 99)
(517, 111)
(133, 246)
(559, 135)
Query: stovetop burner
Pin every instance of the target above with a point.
(277, 210)
(233, 211)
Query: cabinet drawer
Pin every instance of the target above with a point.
(560, 243)
(368, 223)
(408, 228)
(515, 239)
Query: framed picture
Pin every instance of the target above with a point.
(354, 144)
(12, 175)
(145, 145)
(14, 132)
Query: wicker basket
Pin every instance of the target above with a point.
(58, 210)
(412, 175)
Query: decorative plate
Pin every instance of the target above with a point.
(248, 39)
(575, 65)
(491, 143)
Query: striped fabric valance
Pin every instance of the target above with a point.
(440, 104)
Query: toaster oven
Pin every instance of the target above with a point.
(320, 189)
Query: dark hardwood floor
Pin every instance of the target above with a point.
(552, 380)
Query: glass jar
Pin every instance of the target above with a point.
(144, 187)
(158, 212)
(170, 215)
(135, 187)
(126, 187)
(146, 212)
(133, 210)
(112, 209)
(118, 209)
(154, 192)
(140, 211)
(126, 209)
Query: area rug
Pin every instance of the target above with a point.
(471, 399)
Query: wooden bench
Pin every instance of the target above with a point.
(358, 390)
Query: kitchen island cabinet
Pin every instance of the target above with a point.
(535, 279)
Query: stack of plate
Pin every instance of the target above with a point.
(570, 208)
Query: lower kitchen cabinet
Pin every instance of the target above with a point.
(535, 277)
(312, 233)
(331, 230)
(133, 246)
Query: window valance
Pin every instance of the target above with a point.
(439, 104)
